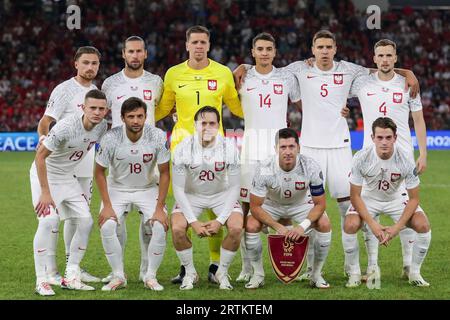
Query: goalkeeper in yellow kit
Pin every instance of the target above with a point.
(189, 86)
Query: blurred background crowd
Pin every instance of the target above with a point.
(37, 49)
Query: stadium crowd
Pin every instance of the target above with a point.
(37, 48)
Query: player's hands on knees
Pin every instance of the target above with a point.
(200, 229)
(378, 231)
(43, 207)
(105, 214)
(421, 164)
(295, 234)
(160, 216)
(280, 229)
(345, 112)
(390, 232)
(213, 226)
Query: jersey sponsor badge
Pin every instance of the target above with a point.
(395, 177)
(287, 257)
(147, 95)
(299, 185)
(278, 88)
(338, 78)
(397, 97)
(147, 157)
(212, 85)
(219, 166)
(244, 192)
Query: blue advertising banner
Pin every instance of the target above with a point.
(436, 140)
(27, 141)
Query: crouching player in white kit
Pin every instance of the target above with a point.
(54, 186)
(376, 187)
(206, 175)
(282, 186)
(131, 152)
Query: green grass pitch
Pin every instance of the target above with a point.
(18, 225)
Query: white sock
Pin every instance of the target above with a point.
(111, 245)
(246, 264)
(226, 258)
(187, 260)
(70, 227)
(145, 234)
(41, 243)
(51, 266)
(254, 252)
(371, 243)
(407, 238)
(80, 241)
(156, 248)
(420, 249)
(343, 207)
(122, 233)
(351, 250)
(310, 253)
(321, 248)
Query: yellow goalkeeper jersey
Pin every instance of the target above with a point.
(189, 90)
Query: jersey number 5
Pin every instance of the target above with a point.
(323, 90)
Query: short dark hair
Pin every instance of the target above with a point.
(132, 104)
(207, 109)
(384, 43)
(196, 29)
(95, 94)
(384, 123)
(133, 38)
(323, 34)
(286, 133)
(264, 36)
(87, 49)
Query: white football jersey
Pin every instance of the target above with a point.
(324, 94)
(264, 99)
(69, 142)
(119, 87)
(386, 99)
(66, 100)
(288, 188)
(131, 164)
(206, 169)
(382, 179)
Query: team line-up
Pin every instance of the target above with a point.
(275, 180)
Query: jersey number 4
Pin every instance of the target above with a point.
(382, 109)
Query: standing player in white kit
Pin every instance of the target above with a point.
(133, 81)
(66, 100)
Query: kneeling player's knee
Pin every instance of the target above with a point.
(323, 224)
(178, 231)
(253, 225)
(352, 224)
(108, 228)
(420, 223)
(235, 231)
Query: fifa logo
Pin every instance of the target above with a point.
(288, 247)
(212, 85)
(278, 88)
(397, 97)
(338, 79)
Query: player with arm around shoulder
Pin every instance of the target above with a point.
(206, 175)
(131, 152)
(288, 185)
(376, 179)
